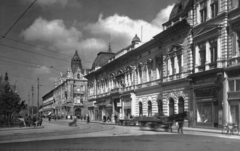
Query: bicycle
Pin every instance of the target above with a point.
(230, 127)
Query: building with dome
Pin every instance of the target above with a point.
(192, 65)
(69, 96)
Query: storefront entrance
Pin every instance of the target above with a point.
(207, 113)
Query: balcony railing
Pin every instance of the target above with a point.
(234, 61)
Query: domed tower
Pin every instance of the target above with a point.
(136, 40)
(76, 63)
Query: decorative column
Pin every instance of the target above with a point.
(196, 58)
(133, 104)
(225, 101)
(176, 64)
(220, 53)
(208, 55)
(198, 14)
(208, 9)
(113, 111)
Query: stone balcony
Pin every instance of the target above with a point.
(234, 61)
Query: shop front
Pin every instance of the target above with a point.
(233, 100)
(108, 109)
(207, 98)
(207, 112)
(126, 107)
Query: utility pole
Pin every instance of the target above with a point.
(28, 104)
(32, 100)
(38, 100)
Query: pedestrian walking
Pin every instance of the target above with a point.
(26, 120)
(49, 118)
(115, 118)
(88, 119)
(180, 125)
(34, 120)
(104, 118)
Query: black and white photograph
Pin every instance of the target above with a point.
(119, 75)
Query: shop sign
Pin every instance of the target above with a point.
(207, 80)
(127, 103)
(206, 100)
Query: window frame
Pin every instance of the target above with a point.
(203, 11)
(214, 51)
(214, 8)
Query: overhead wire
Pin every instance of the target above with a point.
(33, 52)
(19, 18)
(50, 67)
(36, 46)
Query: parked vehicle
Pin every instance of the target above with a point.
(159, 122)
(230, 128)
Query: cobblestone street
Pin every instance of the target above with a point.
(57, 136)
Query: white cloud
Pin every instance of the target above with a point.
(163, 16)
(51, 31)
(121, 28)
(40, 70)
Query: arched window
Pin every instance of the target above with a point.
(78, 76)
(140, 109)
(180, 105)
(149, 108)
(171, 106)
(160, 107)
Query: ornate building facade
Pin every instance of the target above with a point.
(215, 62)
(147, 79)
(192, 65)
(70, 92)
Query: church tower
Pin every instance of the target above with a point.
(76, 63)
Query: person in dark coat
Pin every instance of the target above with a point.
(88, 119)
(180, 125)
(34, 120)
(104, 118)
(49, 118)
(115, 118)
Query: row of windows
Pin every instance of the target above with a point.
(211, 10)
(160, 107)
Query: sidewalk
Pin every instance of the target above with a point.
(196, 129)
(20, 128)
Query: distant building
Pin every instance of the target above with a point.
(69, 94)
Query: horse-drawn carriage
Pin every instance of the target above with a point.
(160, 122)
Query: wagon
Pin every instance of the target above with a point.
(159, 122)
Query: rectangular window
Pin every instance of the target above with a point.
(238, 85)
(179, 63)
(231, 85)
(235, 44)
(234, 4)
(202, 57)
(214, 51)
(203, 11)
(172, 65)
(214, 8)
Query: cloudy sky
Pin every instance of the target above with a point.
(42, 42)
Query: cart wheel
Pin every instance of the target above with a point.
(225, 130)
(235, 131)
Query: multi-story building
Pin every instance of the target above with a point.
(146, 79)
(192, 65)
(70, 91)
(215, 62)
(47, 105)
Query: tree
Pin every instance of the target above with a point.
(10, 104)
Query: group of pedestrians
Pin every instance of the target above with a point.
(106, 119)
(32, 121)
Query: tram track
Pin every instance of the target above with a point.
(75, 131)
